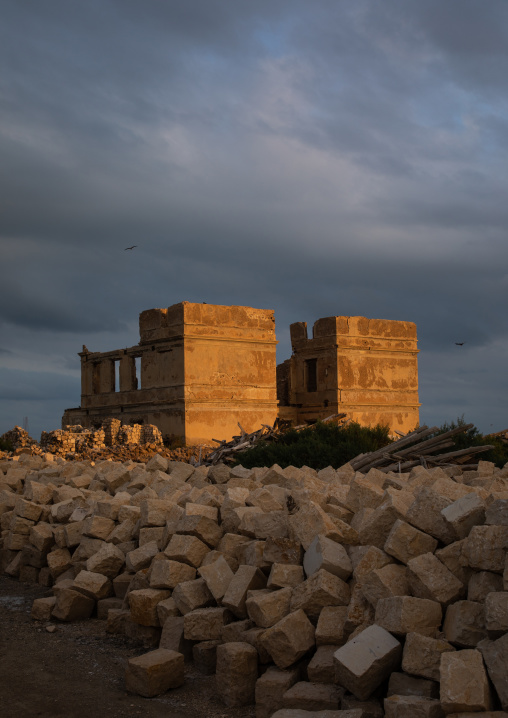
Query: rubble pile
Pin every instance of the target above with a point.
(331, 593)
(18, 438)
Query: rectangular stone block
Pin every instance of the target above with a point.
(289, 639)
(154, 673)
(464, 684)
(407, 614)
(236, 673)
(205, 624)
(270, 688)
(405, 542)
(429, 578)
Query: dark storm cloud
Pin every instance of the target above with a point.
(315, 158)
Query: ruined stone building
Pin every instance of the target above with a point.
(199, 369)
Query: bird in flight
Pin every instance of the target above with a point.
(459, 344)
(133, 246)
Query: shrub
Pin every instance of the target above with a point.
(317, 446)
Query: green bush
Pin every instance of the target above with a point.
(6, 445)
(318, 446)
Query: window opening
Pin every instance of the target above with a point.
(117, 375)
(137, 377)
(311, 374)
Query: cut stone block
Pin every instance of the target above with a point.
(108, 560)
(42, 608)
(391, 580)
(116, 620)
(495, 655)
(429, 578)
(42, 536)
(190, 595)
(367, 558)
(485, 548)
(205, 624)
(149, 636)
(267, 609)
(270, 689)
(451, 556)
(330, 628)
(289, 639)
(310, 521)
(464, 624)
(377, 526)
(360, 613)
(232, 632)
(203, 528)
(496, 612)
(407, 614)
(281, 550)
(104, 605)
(204, 655)
(143, 605)
(284, 575)
(187, 549)
(217, 575)
(321, 668)
(168, 574)
(323, 553)
(482, 583)
(154, 673)
(172, 637)
(71, 605)
(405, 542)
(463, 514)
(412, 707)
(497, 513)
(236, 673)
(97, 527)
(400, 684)
(425, 514)
(312, 697)
(464, 683)
(321, 589)
(94, 585)
(141, 557)
(165, 609)
(59, 561)
(366, 661)
(247, 578)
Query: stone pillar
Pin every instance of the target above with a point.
(127, 373)
(107, 376)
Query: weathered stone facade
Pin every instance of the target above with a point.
(199, 369)
(364, 367)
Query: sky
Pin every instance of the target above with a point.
(316, 158)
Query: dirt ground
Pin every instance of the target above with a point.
(78, 671)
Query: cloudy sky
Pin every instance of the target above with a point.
(313, 157)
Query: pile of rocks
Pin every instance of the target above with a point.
(18, 438)
(331, 592)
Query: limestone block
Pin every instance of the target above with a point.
(364, 493)
(377, 526)
(496, 513)
(232, 632)
(289, 639)
(157, 463)
(363, 663)
(281, 550)
(496, 612)
(408, 614)
(219, 474)
(59, 561)
(464, 624)
(400, 684)
(150, 534)
(73, 533)
(141, 557)
(128, 513)
(405, 542)
(321, 668)
(330, 628)
(106, 604)
(485, 548)
(72, 605)
(323, 553)
(15, 542)
(321, 589)
(482, 583)
(215, 555)
(205, 624)
(495, 655)
(236, 673)
(253, 636)
(464, 683)
(42, 608)
(391, 580)
(425, 514)
(190, 595)
(270, 688)
(247, 578)
(30, 556)
(187, 549)
(464, 513)
(98, 527)
(121, 584)
(115, 478)
(203, 528)
(397, 706)
(363, 709)
(210, 512)
(285, 575)
(367, 558)
(37, 492)
(451, 556)
(265, 500)
(429, 578)
(27, 509)
(143, 605)
(310, 521)
(267, 609)
(312, 696)
(217, 576)
(94, 585)
(300, 713)
(204, 655)
(154, 673)
(168, 574)
(172, 637)
(166, 609)
(360, 613)
(87, 548)
(61, 512)
(19, 525)
(108, 560)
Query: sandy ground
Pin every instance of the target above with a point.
(78, 671)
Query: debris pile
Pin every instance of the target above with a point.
(378, 593)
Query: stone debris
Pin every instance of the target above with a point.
(331, 593)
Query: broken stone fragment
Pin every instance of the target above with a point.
(237, 673)
(321, 668)
(154, 673)
(187, 549)
(363, 663)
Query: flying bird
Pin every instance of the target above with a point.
(459, 344)
(133, 246)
